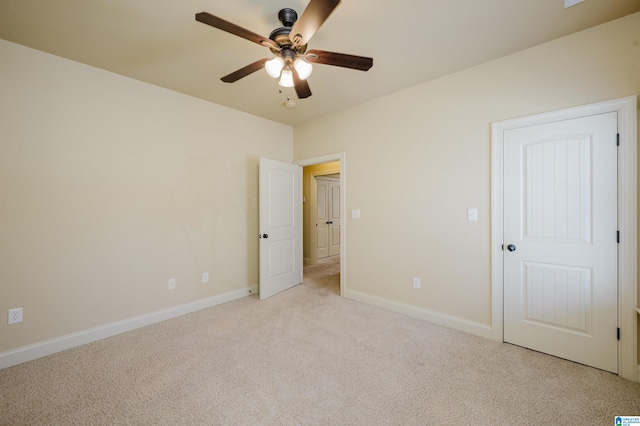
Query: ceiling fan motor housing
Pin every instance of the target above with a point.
(288, 17)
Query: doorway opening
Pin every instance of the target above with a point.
(324, 233)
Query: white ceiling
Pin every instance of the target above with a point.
(411, 41)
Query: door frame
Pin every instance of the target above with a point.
(627, 220)
(341, 156)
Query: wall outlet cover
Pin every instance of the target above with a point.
(15, 316)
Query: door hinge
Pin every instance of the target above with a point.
(503, 247)
(618, 237)
(618, 333)
(618, 139)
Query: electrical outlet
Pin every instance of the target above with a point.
(172, 284)
(15, 316)
(205, 277)
(416, 283)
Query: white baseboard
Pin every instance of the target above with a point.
(48, 347)
(450, 321)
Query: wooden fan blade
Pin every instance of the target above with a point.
(339, 59)
(243, 72)
(221, 24)
(311, 20)
(302, 87)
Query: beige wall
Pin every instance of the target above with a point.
(417, 159)
(308, 173)
(109, 187)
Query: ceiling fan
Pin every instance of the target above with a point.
(292, 61)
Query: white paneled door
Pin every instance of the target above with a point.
(328, 222)
(560, 239)
(335, 222)
(280, 226)
(322, 218)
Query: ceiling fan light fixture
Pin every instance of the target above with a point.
(303, 68)
(274, 66)
(286, 79)
(291, 61)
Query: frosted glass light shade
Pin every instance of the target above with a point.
(303, 67)
(286, 79)
(274, 66)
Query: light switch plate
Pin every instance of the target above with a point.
(472, 215)
(355, 214)
(416, 283)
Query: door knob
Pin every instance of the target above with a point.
(263, 235)
(511, 247)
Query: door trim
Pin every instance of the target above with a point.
(341, 156)
(627, 220)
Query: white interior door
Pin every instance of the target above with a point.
(328, 223)
(560, 220)
(335, 223)
(280, 226)
(322, 218)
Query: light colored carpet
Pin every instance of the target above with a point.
(307, 357)
(324, 275)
